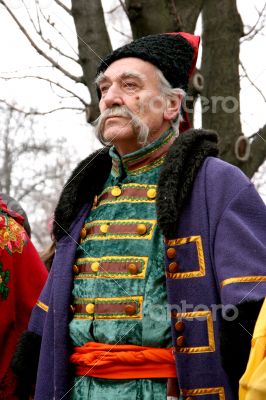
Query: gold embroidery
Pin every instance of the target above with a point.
(111, 300)
(210, 331)
(140, 197)
(148, 167)
(189, 274)
(204, 391)
(118, 223)
(102, 273)
(42, 306)
(132, 160)
(242, 279)
(13, 237)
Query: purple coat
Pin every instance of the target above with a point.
(213, 217)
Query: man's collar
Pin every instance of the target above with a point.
(142, 160)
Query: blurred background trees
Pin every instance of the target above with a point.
(33, 168)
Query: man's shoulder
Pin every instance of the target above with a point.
(219, 171)
(222, 181)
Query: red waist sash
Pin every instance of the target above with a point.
(124, 361)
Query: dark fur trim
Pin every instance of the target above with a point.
(86, 180)
(235, 339)
(25, 363)
(180, 168)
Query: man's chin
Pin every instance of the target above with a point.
(114, 133)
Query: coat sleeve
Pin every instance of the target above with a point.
(26, 357)
(239, 254)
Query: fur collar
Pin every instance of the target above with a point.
(187, 153)
(179, 170)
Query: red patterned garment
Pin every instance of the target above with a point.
(22, 276)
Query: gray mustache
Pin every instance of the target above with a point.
(121, 111)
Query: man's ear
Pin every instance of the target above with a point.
(172, 107)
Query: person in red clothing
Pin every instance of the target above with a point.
(22, 276)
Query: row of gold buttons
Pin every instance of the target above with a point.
(129, 309)
(117, 191)
(141, 229)
(95, 266)
(171, 253)
(180, 340)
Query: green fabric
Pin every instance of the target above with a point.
(154, 328)
(105, 389)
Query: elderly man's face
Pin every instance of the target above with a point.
(133, 83)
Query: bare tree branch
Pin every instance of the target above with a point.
(38, 49)
(122, 4)
(68, 10)
(31, 19)
(40, 33)
(48, 41)
(250, 80)
(35, 112)
(32, 187)
(122, 33)
(19, 71)
(254, 30)
(257, 154)
(113, 9)
(49, 81)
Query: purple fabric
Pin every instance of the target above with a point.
(225, 211)
(53, 375)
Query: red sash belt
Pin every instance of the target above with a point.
(124, 361)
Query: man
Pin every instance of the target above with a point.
(22, 276)
(155, 236)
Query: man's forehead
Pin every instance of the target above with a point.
(102, 77)
(128, 67)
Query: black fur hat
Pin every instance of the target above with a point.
(174, 54)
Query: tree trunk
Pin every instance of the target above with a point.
(222, 29)
(257, 153)
(159, 16)
(93, 43)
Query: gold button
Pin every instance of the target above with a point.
(95, 200)
(95, 266)
(173, 267)
(179, 326)
(151, 193)
(130, 309)
(171, 252)
(83, 233)
(133, 269)
(116, 191)
(180, 341)
(141, 229)
(188, 398)
(104, 228)
(75, 269)
(90, 308)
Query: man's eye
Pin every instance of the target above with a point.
(130, 85)
(104, 88)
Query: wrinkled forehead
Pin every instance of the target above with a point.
(129, 67)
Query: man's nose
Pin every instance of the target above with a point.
(113, 97)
